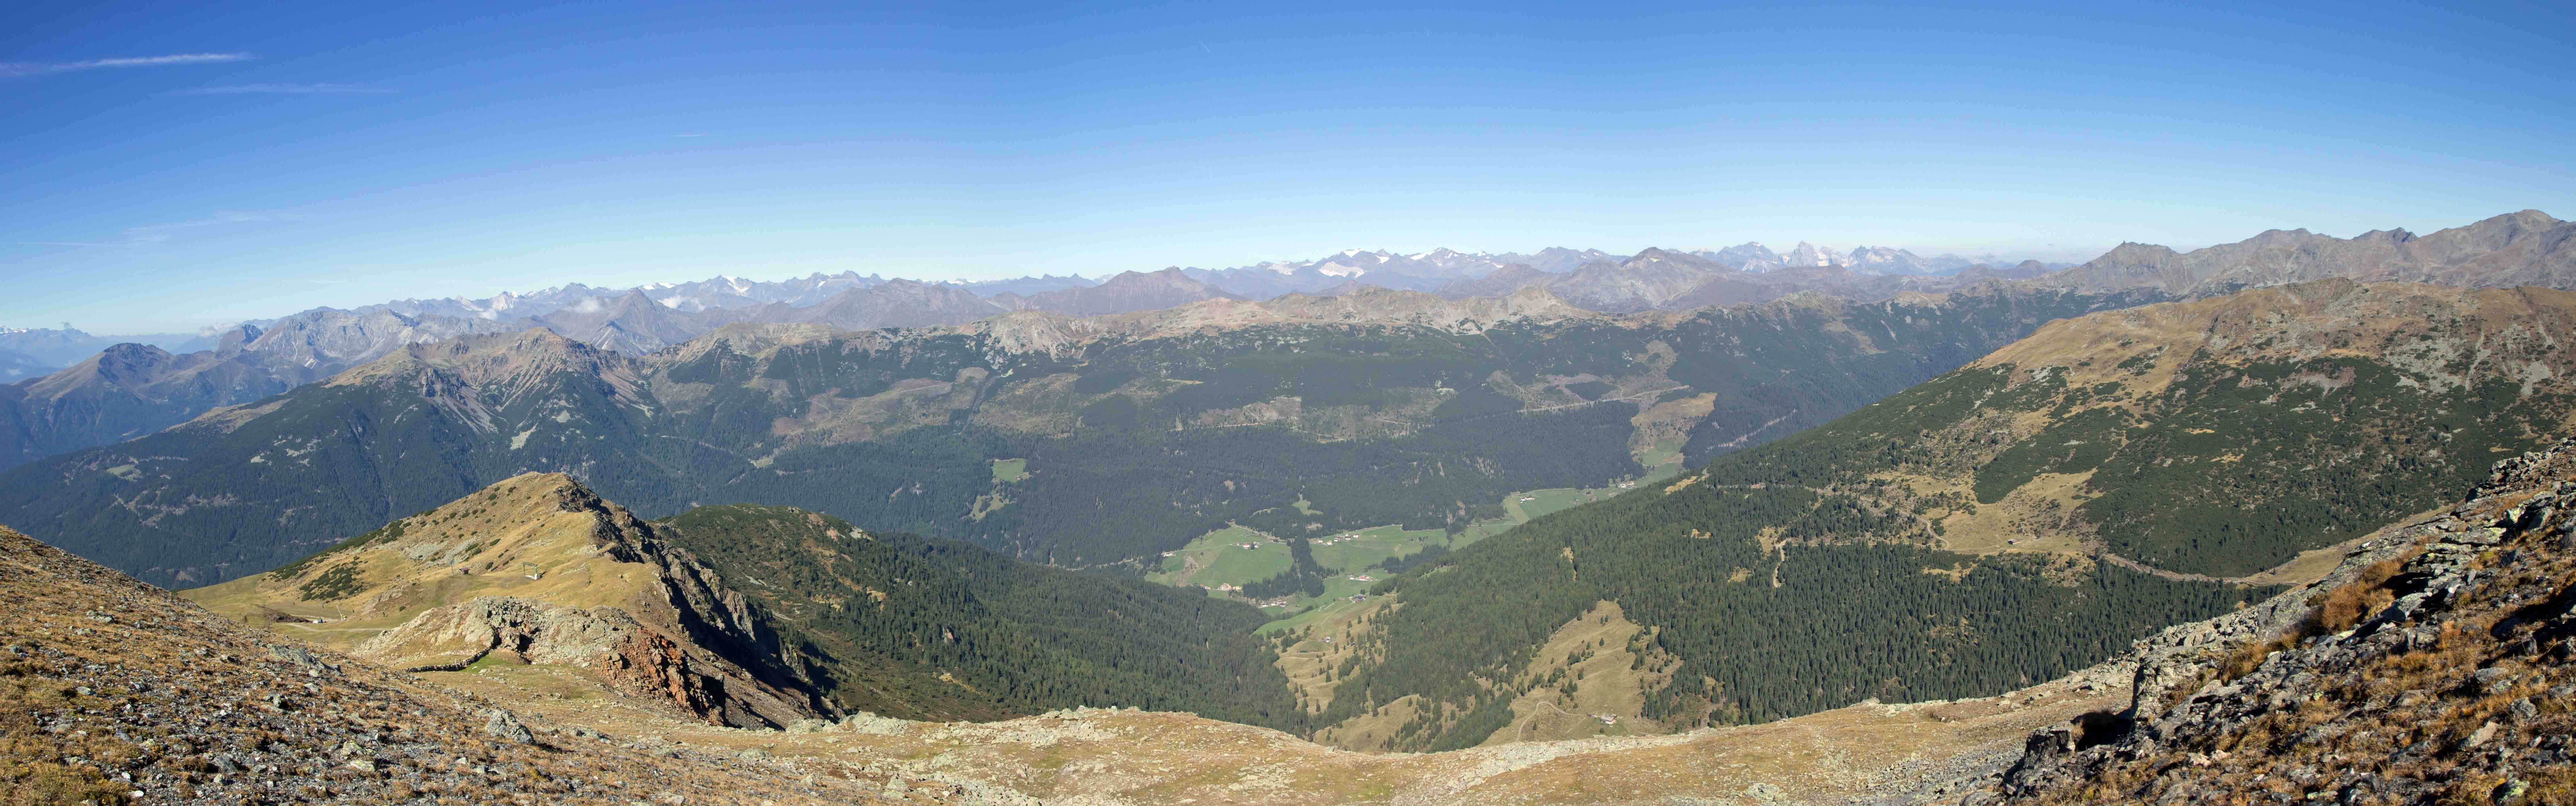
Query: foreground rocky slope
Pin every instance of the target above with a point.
(113, 692)
(122, 694)
(2433, 668)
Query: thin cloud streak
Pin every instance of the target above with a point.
(149, 234)
(32, 69)
(289, 89)
(227, 218)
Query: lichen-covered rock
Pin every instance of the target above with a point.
(505, 726)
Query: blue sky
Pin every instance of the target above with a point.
(169, 166)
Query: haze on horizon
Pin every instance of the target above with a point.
(173, 166)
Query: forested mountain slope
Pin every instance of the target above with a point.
(755, 616)
(2219, 437)
(933, 629)
(1974, 533)
(1140, 431)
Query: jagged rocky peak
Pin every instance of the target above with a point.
(1807, 254)
(1745, 253)
(233, 339)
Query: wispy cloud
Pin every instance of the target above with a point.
(226, 218)
(289, 89)
(30, 69)
(149, 234)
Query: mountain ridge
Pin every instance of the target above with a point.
(2525, 248)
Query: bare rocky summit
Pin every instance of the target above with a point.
(538, 569)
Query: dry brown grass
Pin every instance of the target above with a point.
(2338, 610)
(2335, 611)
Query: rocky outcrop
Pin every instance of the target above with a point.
(2431, 666)
(726, 663)
(539, 569)
(635, 659)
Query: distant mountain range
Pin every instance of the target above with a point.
(15, 366)
(1382, 406)
(65, 346)
(129, 389)
(1425, 271)
(63, 393)
(1755, 257)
